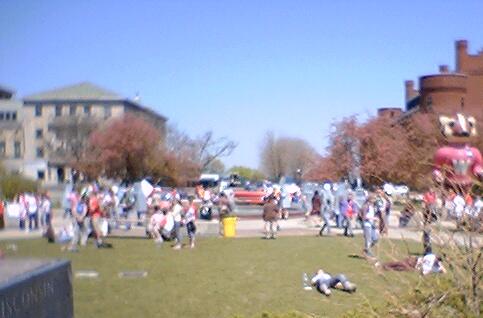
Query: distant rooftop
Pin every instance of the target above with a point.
(5, 92)
(86, 91)
(81, 91)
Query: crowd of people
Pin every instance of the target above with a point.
(92, 211)
(34, 211)
(464, 209)
(371, 215)
(164, 213)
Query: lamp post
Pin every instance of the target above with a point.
(353, 147)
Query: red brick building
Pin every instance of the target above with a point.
(448, 91)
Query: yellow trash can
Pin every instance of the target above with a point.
(229, 226)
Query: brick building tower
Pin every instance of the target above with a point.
(450, 92)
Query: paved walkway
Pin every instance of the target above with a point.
(253, 227)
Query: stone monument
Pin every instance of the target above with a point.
(35, 288)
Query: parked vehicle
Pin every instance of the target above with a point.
(250, 196)
(209, 180)
(396, 190)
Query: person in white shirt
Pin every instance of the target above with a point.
(45, 207)
(189, 217)
(430, 263)
(156, 225)
(459, 206)
(477, 207)
(324, 282)
(177, 211)
(32, 211)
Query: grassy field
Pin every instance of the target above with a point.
(220, 278)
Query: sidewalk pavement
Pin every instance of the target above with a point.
(251, 227)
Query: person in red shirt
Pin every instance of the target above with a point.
(2, 212)
(468, 200)
(429, 200)
(429, 197)
(429, 216)
(94, 213)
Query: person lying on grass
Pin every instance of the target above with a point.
(429, 263)
(324, 282)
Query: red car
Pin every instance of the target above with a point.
(249, 197)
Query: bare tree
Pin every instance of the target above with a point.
(209, 148)
(69, 137)
(271, 161)
(192, 156)
(285, 156)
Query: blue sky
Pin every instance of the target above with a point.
(239, 68)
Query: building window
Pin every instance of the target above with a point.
(87, 110)
(72, 109)
(17, 151)
(38, 110)
(2, 148)
(40, 174)
(107, 111)
(7, 116)
(429, 101)
(14, 115)
(58, 110)
(462, 103)
(40, 152)
(39, 133)
(2, 115)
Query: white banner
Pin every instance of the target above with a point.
(146, 188)
(13, 210)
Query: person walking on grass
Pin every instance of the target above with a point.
(348, 208)
(369, 218)
(95, 215)
(177, 210)
(326, 214)
(381, 204)
(270, 216)
(189, 218)
(80, 226)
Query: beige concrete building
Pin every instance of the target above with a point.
(11, 131)
(52, 126)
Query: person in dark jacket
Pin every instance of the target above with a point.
(313, 216)
(271, 214)
(316, 204)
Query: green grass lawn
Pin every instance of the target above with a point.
(220, 278)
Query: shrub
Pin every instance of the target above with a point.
(13, 184)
